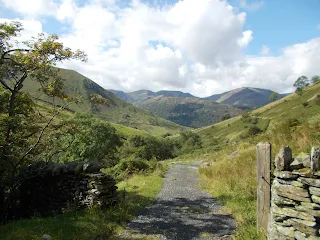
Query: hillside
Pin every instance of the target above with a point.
(303, 108)
(119, 111)
(246, 98)
(191, 112)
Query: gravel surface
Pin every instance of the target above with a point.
(182, 210)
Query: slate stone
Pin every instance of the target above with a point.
(310, 181)
(285, 175)
(283, 159)
(315, 158)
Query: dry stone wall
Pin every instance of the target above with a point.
(50, 188)
(295, 196)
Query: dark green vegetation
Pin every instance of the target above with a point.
(245, 98)
(191, 112)
(116, 111)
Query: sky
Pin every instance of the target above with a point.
(203, 47)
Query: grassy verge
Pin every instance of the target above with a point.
(231, 176)
(135, 193)
(232, 182)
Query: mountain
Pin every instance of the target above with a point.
(138, 97)
(292, 109)
(245, 98)
(188, 111)
(118, 111)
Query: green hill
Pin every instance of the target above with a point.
(191, 112)
(302, 108)
(119, 111)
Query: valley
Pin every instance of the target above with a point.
(80, 162)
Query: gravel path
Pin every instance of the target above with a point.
(182, 210)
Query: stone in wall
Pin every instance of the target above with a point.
(295, 197)
(49, 188)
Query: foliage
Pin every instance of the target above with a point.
(85, 138)
(189, 141)
(317, 100)
(305, 104)
(315, 79)
(127, 167)
(225, 117)
(148, 147)
(254, 130)
(23, 129)
(273, 96)
(300, 84)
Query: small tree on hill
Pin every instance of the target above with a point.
(315, 79)
(300, 84)
(273, 96)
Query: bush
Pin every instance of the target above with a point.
(317, 100)
(254, 130)
(148, 147)
(292, 122)
(305, 104)
(127, 167)
(246, 117)
(225, 117)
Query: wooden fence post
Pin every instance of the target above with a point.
(264, 185)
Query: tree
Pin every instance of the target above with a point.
(273, 96)
(315, 79)
(300, 84)
(85, 138)
(225, 117)
(22, 126)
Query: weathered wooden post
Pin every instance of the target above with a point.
(264, 185)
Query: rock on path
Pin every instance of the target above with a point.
(182, 210)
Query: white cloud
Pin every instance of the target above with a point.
(193, 46)
(265, 50)
(31, 28)
(36, 8)
(251, 6)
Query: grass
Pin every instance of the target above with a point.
(135, 193)
(118, 111)
(232, 179)
(288, 107)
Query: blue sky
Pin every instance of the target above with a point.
(197, 46)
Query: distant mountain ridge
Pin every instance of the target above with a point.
(245, 98)
(140, 96)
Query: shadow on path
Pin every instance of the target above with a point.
(182, 210)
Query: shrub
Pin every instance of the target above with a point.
(246, 117)
(292, 122)
(305, 104)
(254, 130)
(148, 147)
(225, 117)
(317, 100)
(127, 167)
